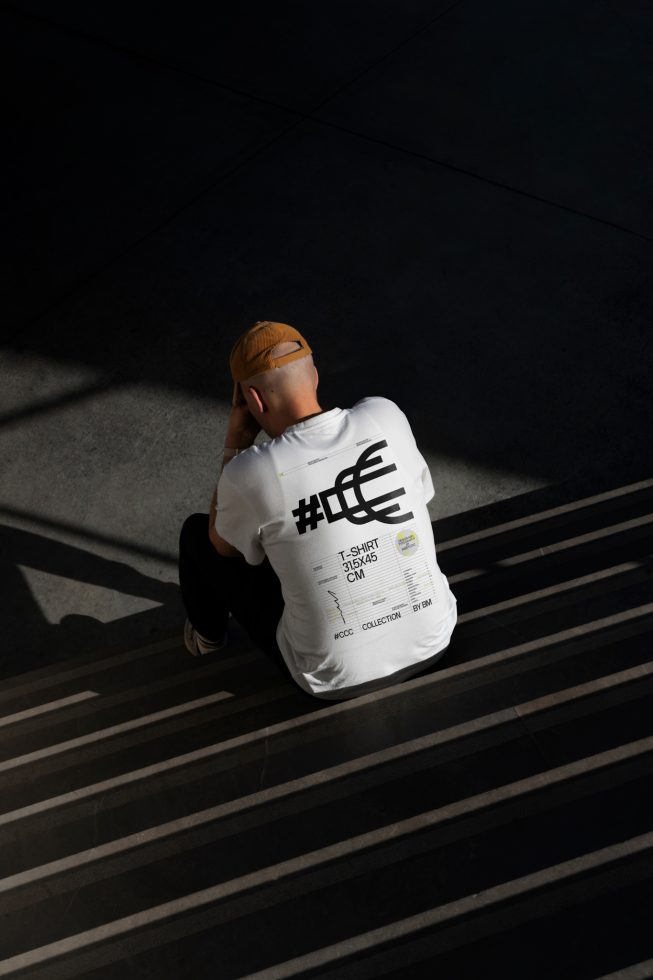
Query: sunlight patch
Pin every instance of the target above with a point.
(57, 596)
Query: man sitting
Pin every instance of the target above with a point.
(319, 542)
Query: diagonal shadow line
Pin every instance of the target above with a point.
(465, 919)
(383, 57)
(56, 402)
(25, 547)
(462, 171)
(91, 536)
(612, 534)
(310, 116)
(305, 726)
(552, 598)
(480, 620)
(297, 876)
(224, 175)
(475, 538)
(27, 627)
(303, 793)
(66, 295)
(149, 59)
(550, 577)
(637, 971)
(557, 516)
(569, 703)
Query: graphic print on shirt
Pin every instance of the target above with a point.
(362, 584)
(361, 511)
(373, 583)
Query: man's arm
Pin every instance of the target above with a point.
(242, 430)
(221, 546)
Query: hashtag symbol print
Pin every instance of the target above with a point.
(308, 514)
(352, 480)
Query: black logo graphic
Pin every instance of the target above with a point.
(337, 602)
(310, 513)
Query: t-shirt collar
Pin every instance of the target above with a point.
(315, 420)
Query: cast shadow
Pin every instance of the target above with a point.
(31, 641)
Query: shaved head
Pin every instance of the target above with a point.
(287, 384)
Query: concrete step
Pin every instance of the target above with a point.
(383, 878)
(162, 816)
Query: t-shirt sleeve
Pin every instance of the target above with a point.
(398, 421)
(236, 521)
(420, 463)
(427, 482)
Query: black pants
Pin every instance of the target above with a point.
(212, 586)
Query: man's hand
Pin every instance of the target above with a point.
(242, 427)
(242, 430)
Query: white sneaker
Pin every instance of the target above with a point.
(198, 645)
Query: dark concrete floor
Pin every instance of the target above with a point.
(164, 817)
(454, 202)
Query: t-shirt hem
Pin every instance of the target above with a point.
(386, 680)
(379, 683)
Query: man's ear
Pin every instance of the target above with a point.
(260, 405)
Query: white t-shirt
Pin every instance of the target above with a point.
(338, 504)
